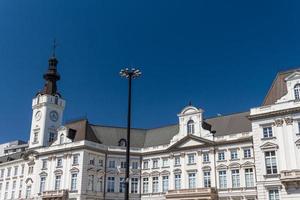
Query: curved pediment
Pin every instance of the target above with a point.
(222, 166)
(188, 110)
(177, 171)
(234, 165)
(269, 145)
(145, 174)
(155, 173)
(43, 174)
(74, 170)
(248, 164)
(165, 172)
(206, 168)
(58, 172)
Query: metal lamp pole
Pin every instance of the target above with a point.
(129, 74)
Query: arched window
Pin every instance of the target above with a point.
(297, 91)
(122, 142)
(190, 127)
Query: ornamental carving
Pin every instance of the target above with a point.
(288, 120)
(278, 122)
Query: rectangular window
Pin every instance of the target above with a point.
(134, 185)
(42, 184)
(298, 133)
(155, 163)
(206, 176)
(165, 162)
(8, 171)
(16, 171)
(44, 164)
(57, 182)
(222, 179)
(267, 132)
(52, 136)
(12, 195)
(192, 180)
(271, 164)
(177, 160)
(234, 154)
(191, 158)
(35, 137)
(154, 184)
(28, 192)
(14, 185)
(274, 194)
(165, 183)
(92, 161)
(235, 176)
(145, 185)
(135, 165)
(21, 184)
(177, 181)
(111, 164)
(146, 165)
(122, 184)
(205, 157)
(110, 184)
(101, 163)
(247, 153)
(30, 169)
(59, 162)
(75, 159)
(249, 177)
(123, 164)
(221, 156)
(2, 173)
(73, 182)
(23, 168)
(91, 183)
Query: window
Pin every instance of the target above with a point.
(111, 164)
(221, 156)
(21, 184)
(12, 195)
(92, 161)
(30, 169)
(123, 164)
(165, 162)
(298, 133)
(52, 136)
(101, 163)
(192, 180)
(28, 191)
(73, 182)
(91, 183)
(165, 183)
(247, 153)
(134, 185)
(59, 162)
(191, 158)
(177, 160)
(207, 182)
(146, 165)
(145, 185)
(23, 168)
(274, 194)
(8, 171)
(205, 157)
(235, 176)
(75, 159)
(61, 139)
(190, 127)
(44, 164)
(35, 137)
(222, 179)
(110, 184)
(122, 184)
(16, 171)
(2, 173)
(135, 165)
(249, 177)
(14, 185)
(155, 163)
(177, 181)
(154, 184)
(267, 132)
(57, 182)
(271, 165)
(99, 184)
(42, 184)
(297, 91)
(234, 154)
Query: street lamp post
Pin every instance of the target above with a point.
(129, 74)
(215, 171)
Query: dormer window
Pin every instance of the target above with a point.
(122, 142)
(190, 127)
(297, 91)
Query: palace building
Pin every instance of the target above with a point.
(243, 156)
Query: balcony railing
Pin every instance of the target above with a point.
(55, 193)
(290, 177)
(199, 193)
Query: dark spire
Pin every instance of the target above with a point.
(190, 103)
(51, 76)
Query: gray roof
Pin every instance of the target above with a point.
(14, 156)
(223, 125)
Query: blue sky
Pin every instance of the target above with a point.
(221, 55)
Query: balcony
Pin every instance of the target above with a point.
(57, 194)
(290, 178)
(197, 193)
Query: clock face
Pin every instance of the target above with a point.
(53, 116)
(38, 115)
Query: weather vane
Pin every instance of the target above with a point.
(54, 47)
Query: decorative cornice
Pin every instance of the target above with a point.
(274, 113)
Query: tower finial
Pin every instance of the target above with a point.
(190, 103)
(54, 47)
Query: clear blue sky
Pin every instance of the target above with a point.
(221, 55)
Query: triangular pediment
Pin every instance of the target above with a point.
(269, 145)
(293, 76)
(190, 141)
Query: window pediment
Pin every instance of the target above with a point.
(293, 76)
(74, 170)
(222, 166)
(206, 168)
(268, 146)
(43, 174)
(155, 173)
(145, 174)
(248, 164)
(234, 165)
(58, 172)
(165, 172)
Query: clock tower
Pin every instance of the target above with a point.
(48, 107)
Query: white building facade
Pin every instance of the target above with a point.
(243, 156)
